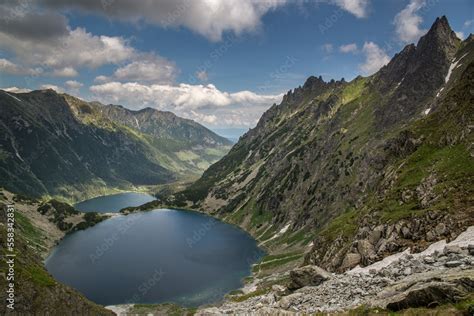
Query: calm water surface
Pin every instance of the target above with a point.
(153, 257)
(114, 203)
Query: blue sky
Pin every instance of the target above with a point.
(221, 63)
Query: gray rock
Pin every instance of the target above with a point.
(350, 261)
(452, 250)
(428, 260)
(279, 290)
(431, 294)
(366, 250)
(471, 249)
(440, 229)
(452, 264)
(307, 275)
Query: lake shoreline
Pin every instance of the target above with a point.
(207, 217)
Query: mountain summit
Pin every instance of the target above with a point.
(336, 161)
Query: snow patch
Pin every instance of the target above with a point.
(14, 97)
(281, 232)
(453, 65)
(398, 84)
(427, 111)
(439, 92)
(136, 121)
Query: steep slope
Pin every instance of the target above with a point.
(180, 145)
(59, 145)
(35, 289)
(335, 160)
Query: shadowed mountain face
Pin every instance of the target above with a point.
(60, 145)
(336, 159)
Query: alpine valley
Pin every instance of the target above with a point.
(87, 148)
(361, 193)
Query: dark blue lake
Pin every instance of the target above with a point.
(153, 257)
(114, 203)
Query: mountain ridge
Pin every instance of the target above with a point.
(333, 153)
(45, 133)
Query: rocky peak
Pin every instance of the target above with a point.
(440, 40)
(415, 74)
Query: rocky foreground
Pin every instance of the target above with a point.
(443, 273)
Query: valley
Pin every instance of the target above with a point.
(347, 198)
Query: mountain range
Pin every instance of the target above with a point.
(356, 170)
(58, 145)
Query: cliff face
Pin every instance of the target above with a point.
(336, 160)
(58, 145)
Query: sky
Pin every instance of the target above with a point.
(221, 63)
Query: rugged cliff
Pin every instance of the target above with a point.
(357, 170)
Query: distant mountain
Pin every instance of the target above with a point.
(359, 169)
(56, 144)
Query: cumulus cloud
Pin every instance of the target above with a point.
(184, 98)
(375, 58)
(460, 35)
(73, 84)
(349, 48)
(52, 86)
(468, 23)
(9, 67)
(24, 24)
(208, 18)
(359, 8)
(407, 22)
(15, 90)
(78, 48)
(65, 72)
(148, 68)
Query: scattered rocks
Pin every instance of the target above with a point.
(444, 275)
(432, 294)
(307, 275)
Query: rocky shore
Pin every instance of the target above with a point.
(443, 273)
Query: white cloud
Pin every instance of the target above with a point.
(359, 8)
(101, 78)
(148, 68)
(65, 72)
(205, 100)
(203, 118)
(73, 84)
(375, 58)
(468, 23)
(77, 49)
(202, 75)
(407, 22)
(349, 48)
(327, 48)
(15, 90)
(52, 86)
(208, 18)
(9, 67)
(460, 35)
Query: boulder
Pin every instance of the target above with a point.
(432, 294)
(309, 275)
(350, 261)
(452, 249)
(471, 249)
(366, 250)
(440, 229)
